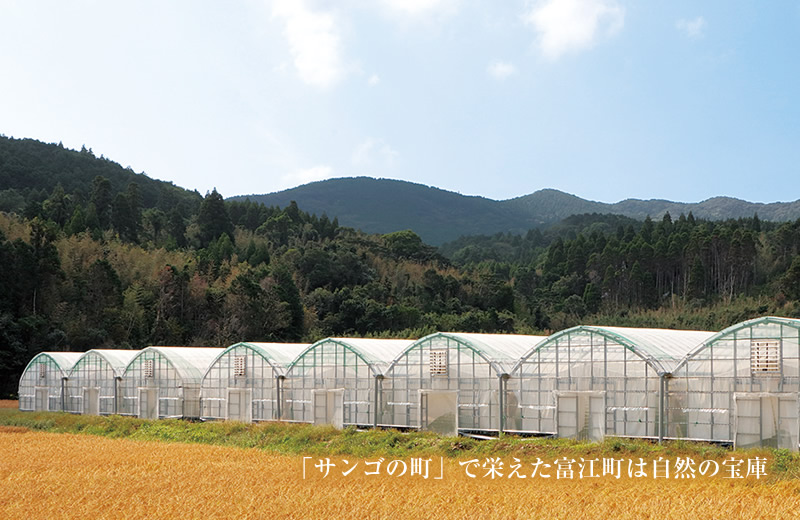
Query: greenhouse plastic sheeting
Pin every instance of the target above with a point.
(338, 363)
(627, 364)
(92, 384)
(41, 386)
(241, 383)
(471, 365)
(172, 374)
(759, 356)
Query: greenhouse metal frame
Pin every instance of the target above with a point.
(589, 382)
(242, 383)
(337, 381)
(42, 383)
(741, 386)
(449, 382)
(164, 382)
(92, 387)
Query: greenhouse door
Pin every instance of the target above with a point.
(148, 403)
(766, 420)
(439, 411)
(581, 415)
(91, 401)
(239, 405)
(329, 407)
(42, 398)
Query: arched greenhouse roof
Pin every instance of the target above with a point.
(501, 351)
(733, 329)
(117, 359)
(64, 360)
(663, 349)
(278, 355)
(190, 362)
(377, 353)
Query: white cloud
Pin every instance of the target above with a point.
(314, 42)
(371, 151)
(373, 80)
(564, 26)
(501, 70)
(692, 28)
(417, 7)
(304, 176)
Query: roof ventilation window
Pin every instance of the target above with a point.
(438, 362)
(239, 365)
(765, 357)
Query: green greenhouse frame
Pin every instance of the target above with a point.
(243, 382)
(337, 381)
(589, 382)
(164, 382)
(741, 386)
(451, 382)
(93, 383)
(42, 383)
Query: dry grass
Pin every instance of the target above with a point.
(46, 475)
(7, 403)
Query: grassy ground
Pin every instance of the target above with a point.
(48, 475)
(305, 439)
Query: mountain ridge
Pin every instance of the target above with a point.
(377, 205)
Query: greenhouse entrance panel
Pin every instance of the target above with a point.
(439, 411)
(766, 420)
(329, 407)
(91, 401)
(148, 403)
(239, 405)
(42, 399)
(581, 415)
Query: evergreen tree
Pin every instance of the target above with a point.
(288, 293)
(123, 218)
(176, 227)
(101, 198)
(213, 219)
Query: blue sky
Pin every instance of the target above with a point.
(606, 99)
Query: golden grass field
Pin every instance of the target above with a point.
(49, 475)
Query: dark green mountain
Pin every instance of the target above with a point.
(384, 205)
(439, 216)
(549, 205)
(30, 169)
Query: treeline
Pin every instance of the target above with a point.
(109, 275)
(590, 270)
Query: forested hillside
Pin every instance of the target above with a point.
(31, 169)
(99, 266)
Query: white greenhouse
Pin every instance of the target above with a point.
(42, 384)
(589, 382)
(162, 382)
(242, 383)
(93, 384)
(449, 382)
(336, 381)
(740, 386)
